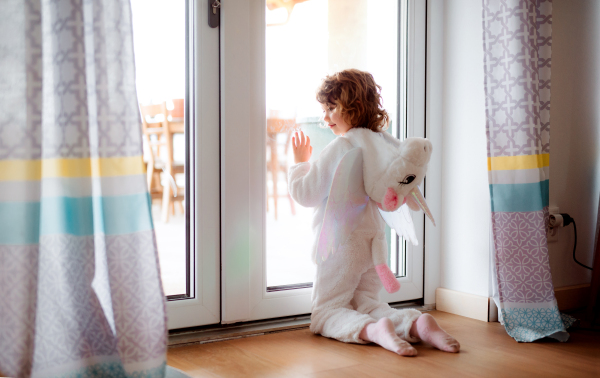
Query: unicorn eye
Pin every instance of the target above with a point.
(407, 180)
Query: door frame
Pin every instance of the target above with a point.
(243, 171)
(202, 304)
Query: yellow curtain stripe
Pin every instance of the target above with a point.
(504, 163)
(27, 170)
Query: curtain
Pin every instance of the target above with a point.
(80, 290)
(517, 44)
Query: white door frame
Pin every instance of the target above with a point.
(204, 307)
(243, 168)
(434, 106)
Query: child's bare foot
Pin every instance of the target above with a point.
(384, 334)
(427, 329)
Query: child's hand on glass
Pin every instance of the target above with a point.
(302, 148)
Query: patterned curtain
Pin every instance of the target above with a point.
(517, 43)
(80, 291)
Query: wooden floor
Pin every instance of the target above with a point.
(486, 351)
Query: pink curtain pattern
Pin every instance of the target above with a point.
(517, 44)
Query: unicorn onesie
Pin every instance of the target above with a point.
(359, 180)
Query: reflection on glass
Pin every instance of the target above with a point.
(306, 40)
(159, 46)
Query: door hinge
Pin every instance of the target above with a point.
(214, 12)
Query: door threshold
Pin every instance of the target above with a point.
(222, 332)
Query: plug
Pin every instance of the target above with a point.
(552, 235)
(567, 220)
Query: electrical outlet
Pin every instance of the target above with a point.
(553, 232)
(552, 235)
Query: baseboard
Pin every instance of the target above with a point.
(484, 308)
(572, 297)
(463, 304)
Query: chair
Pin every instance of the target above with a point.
(176, 114)
(158, 136)
(276, 163)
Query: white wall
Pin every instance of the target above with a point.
(574, 133)
(465, 214)
(575, 143)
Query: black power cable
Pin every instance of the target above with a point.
(567, 220)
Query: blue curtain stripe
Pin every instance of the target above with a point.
(520, 197)
(19, 223)
(24, 222)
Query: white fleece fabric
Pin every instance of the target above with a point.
(346, 287)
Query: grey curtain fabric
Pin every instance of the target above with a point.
(517, 43)
(80, 290)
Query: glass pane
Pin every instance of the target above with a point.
(159, 46)
(306, 40)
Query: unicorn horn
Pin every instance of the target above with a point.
(415, 193)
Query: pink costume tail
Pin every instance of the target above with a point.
(388, 279)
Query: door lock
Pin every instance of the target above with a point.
(214, 7)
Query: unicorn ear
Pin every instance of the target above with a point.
(345, 204)
(412, 204)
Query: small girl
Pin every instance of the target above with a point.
(345, 301)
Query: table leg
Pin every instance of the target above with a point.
(274, 168)
(167, 197)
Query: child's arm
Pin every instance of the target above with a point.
(309, 183)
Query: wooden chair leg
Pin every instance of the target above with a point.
(274, 170)
(292, 206)
(267, 187)
(166, 201)
(149, 175)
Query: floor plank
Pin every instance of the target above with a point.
(180, 362)
(354, 371)
(224, 360)
(295, 354)
(486, 350)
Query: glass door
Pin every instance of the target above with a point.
(273, 56)
(303, 43)
(177, 70)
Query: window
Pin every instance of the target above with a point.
(302, 45)
(177, 67)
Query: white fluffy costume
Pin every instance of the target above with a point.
(347, 284)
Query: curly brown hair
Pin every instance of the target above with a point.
(358, 97)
